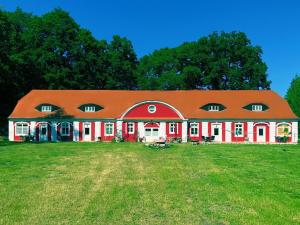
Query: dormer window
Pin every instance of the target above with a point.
(89, 108)
(46, 108)
(214, 108)
(257, 108)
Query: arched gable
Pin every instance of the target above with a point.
(162, 111)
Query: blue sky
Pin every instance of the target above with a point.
(153, 24)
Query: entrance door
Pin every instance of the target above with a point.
(217, 131)
(87, 136)
(43, 132)
(261, 134)
(151, 134)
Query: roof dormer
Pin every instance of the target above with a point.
(90, 107)
(46, 108)
(256, 107)
(213, 107)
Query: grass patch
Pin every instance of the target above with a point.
(125, 183)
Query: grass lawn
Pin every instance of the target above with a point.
(109, 183)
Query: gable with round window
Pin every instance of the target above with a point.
(151, 108)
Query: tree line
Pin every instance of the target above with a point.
(52, 51)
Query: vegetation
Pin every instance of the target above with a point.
(52, 51)
(126, 183)
(219, 61)
(293, 97)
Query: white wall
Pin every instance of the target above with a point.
(228, 132)
(11, 130)
(32, 128)
(119, 127)
(205, 129)
(54, 131)
(272, 129)
(75, 131)
(294, 132)
(97, 130)
(184, 131)
(250, 126)
(141, 132)
(162, 130)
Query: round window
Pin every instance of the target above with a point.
(151, 108)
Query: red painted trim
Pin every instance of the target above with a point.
(178, 130)
(245, 132)
(92, 131)
(80, 131)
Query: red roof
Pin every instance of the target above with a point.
(188, 103)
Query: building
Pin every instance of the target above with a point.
(101, 115)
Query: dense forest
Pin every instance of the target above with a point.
(52, 51)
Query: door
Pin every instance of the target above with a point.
(261, 134)
(43, 132)
(217, 132)
(151, 134)
(87, 136)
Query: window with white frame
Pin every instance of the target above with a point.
(194, 129)
(109, 129)
(257, 108)
(151, 108)
(22, 129)
(239, 130)
(172, 128)
(89, 108)
(130, 128)
(213, 108)
(65, 129)
(283, 130)
(46, 108)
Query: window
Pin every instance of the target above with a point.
(43, 129)
(239, 131)
(151, 108)
(194, 129)
(22, 129)
(257, 108)
(155, 132)
(147, 132)
(89, 108)
(172, 127)
(87, 129)
(214, 108)
(130, 128)
(109, 129)
(261, 132)
(283, 130)
(65, 129)
(46, 108)
(216, 131)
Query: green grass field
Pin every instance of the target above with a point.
(109, 183)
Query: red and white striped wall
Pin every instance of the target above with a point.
(132, 131)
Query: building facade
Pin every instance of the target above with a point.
(147, 116)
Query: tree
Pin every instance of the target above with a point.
(219, 61)
(122, 64)
(293, 95)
